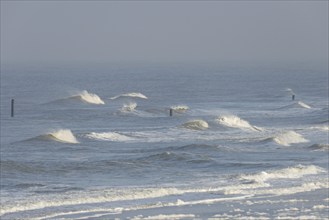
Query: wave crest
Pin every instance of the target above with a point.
(319, 147)
(131, 95)
(108, 136)
(286, 173)
(91, 98)
(234, 121)
(180, 108)
(128, 107)
(62, 135)
(196, 125)
(304, 105)
(298, 104)
(289, 137)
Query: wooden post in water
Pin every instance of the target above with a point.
(12, 108)
(293, 97)
(171, 112)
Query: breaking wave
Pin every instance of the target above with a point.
(91, 98)
(236, 122)
(289, 137)
(286, 173)
(83, 96)
(196, 125)
(62, 135)
(128, 107)
(109, 136)
(180, 108)
(302, 104)
(131, 95)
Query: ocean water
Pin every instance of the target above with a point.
(97, 142)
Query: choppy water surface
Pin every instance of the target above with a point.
(98, 142)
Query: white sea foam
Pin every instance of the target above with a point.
(163, 216)
(196, 125)
(131, 95)
(109, 136)
(305, 187)
(91, 197)
(129, 194)
(234, 121)
(289, 137)
(286, 173)
(90, 98)
(128, 107)
(63, 135)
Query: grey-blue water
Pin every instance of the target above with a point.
(97, 141)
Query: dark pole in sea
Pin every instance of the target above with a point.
(171, 112)
(12, 108)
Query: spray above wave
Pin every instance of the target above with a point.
(196, 125)
(236, 122)
(289, 137)
(130, 95)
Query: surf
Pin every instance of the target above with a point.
(61, 135)
(130, 95)
(288, 137)
(180, 108)
(82, 96)
(196, 125)
(294, 172)
(128, 107)
(109, 136)
(88, 97)
(234, 121)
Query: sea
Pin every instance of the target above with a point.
(164, 141)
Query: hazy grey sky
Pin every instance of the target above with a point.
(101, 31)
